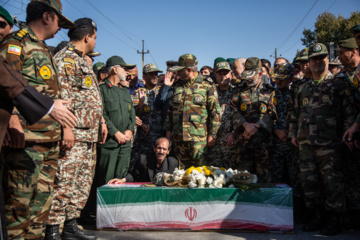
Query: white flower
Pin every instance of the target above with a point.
(255, 179)
(211, 186)
(209, 180)
(192, 184)
(201, 180)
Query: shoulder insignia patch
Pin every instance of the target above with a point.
(305, 101)
(243, 107)
(263, 108)
(68, 68)
(325, 98)
(146, 108)
(135, 100)
(235, 98)
(88, 81)
(45, 72)
(70, 60)
(14, 49)
(356, 81)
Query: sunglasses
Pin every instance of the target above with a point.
(3, 24)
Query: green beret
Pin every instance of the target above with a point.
(6, 15)
(355, 29)
(219, 59)
(230, 61)
(348, 43)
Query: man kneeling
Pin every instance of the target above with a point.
(150, 164)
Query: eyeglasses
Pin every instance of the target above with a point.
(3, 24)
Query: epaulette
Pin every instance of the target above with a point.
(101, 83)
(20, 34)
(208, 79)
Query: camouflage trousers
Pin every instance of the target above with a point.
(285, 166)
(352, 180)
(219, 155)
(322, 180)
(73, 182)
(256, 161)
(191, 153)
(28, 184)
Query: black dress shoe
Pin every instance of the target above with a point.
(315, 223)
(52, 232)
(72, 231)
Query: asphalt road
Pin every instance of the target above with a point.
(212, 235)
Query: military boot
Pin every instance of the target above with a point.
(315, 223)
(72, 231)
(52, 232)
(333, 225)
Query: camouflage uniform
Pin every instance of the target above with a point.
(30, 172)
(321, 114)
(219, 154)
(76, 166)
(193, 114)
(255, 105)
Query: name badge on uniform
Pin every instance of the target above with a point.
(243, 107)
(88, 81)
(305, 101)
(263, 108)
(325, 98)
(45, 72)
(146, 108)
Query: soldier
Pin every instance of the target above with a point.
(100, 71)
(6, 23)
(285, 167)
(323, 108)
(335, 66)
(349, 57)
(223, 152)
(30, 168)
(193, 117)
(77, 157)
(148, 112)
(253, 117)
(119, 114)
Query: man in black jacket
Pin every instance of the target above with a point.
(150, 164)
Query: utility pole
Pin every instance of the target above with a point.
(275, 54)
(143, 54)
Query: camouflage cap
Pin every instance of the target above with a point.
(296, 60)
(335, 62)
(64, 22)
(348, 43)
(6, 15)
(318, 49)
(186, 60)
(222, 65)
(116, 60)
(251, 66)
(304, 55)
(151, 68)
(97, 66)
(284, 71)
(94, 54)
(355, 29)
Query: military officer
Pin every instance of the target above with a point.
(148, 112)
(193, 117)
(77, 157)
(254, 117)
(31, 166)
(98, 70)
(223, 152)
(324, 109)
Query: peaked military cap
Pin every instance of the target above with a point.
(284, 71)
(251, 66)
(348, 43)
(318, 49)
(57, 6)
(116, 60)
(355, 29)
(97, 66)
(85, 22)
(151, 68)
(185, 60)
(222, 65)
(304, 55)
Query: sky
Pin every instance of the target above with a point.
(207, 29)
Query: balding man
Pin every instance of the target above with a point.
(238, 67)
(133, 76)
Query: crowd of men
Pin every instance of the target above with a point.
(297, 123)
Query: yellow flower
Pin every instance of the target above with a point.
(189, 170)
(198, 169)
(223, 169)
(208, 172)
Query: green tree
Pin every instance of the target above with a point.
(329, 28)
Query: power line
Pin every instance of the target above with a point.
(287, 39)
(111, 21)
(151, 55)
